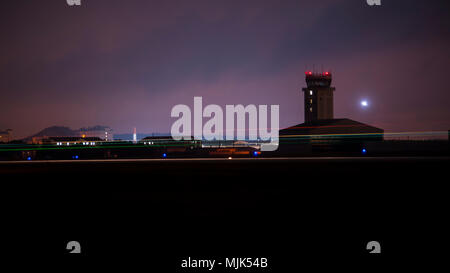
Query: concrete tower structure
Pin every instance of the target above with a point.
(320, 126)
(318, 96)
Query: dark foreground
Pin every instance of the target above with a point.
(318, 212)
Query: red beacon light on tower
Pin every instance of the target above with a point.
(310, 73)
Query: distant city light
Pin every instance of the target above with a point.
(230, 157)
(364, 103)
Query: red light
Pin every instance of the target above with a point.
(310, 73)
(326, 73)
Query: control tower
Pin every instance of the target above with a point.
(320, 126)
(318, 95)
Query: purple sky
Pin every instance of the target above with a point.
(126, 63)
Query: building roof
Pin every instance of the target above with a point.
(165, 138)
(342, 126)
(95, 128)
(74, 139)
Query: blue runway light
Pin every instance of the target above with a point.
(76, 157)
(364, 150)
(255, 153)
(164, 155)
(29, 158)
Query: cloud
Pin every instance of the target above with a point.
(120, 63)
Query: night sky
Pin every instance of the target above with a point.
(126, 63)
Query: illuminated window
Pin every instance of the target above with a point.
(310, 109)
(310, 92)
(310, 101)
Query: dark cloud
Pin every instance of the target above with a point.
(126, 63)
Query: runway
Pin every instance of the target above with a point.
(360, 158)
(259, 205)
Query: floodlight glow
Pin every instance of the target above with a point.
(364, 103)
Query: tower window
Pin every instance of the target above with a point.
(310, 101)
(310, 109)
(310, 92)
